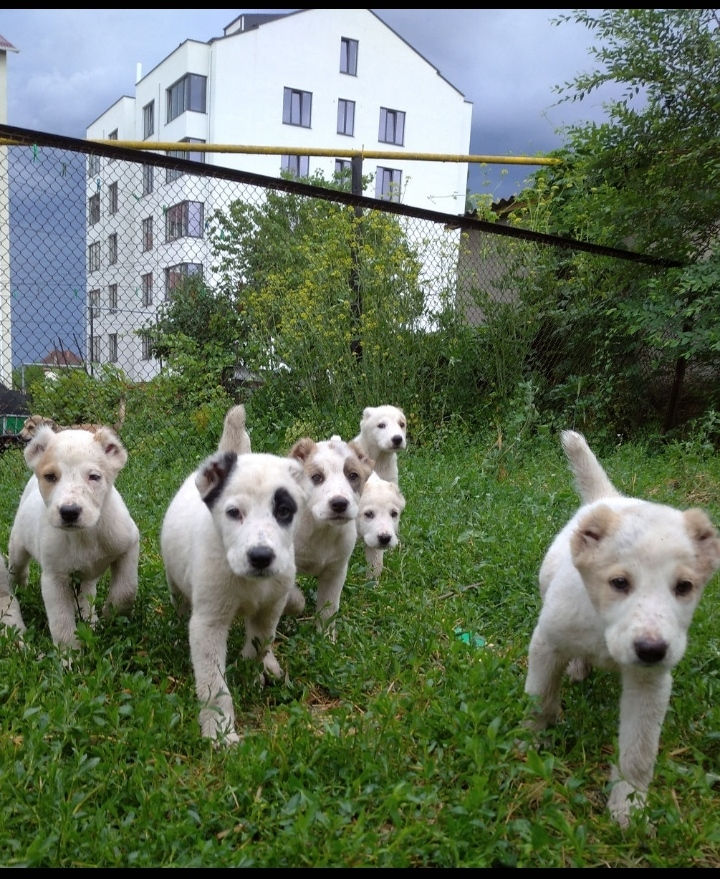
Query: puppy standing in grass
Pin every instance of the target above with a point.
(73, 521)
(336, 472)
(620, 584)
(378, 520)
(227, 545)
(383, 433)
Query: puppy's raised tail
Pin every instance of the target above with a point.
(235, 437)
(591, 481)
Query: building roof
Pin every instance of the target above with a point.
(62, 357)
(6, 45)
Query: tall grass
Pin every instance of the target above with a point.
(399, 745)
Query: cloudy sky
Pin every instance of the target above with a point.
(73, 64)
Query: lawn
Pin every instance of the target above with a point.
(400, 745)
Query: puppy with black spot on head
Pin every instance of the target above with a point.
(227, 545)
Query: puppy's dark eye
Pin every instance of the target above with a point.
(234, 513)
(94, 477)
(317, 478)
(353, 476)
(50, 477)
(369, 514)
(620, 584)
(394, 514)
(683, 587)
(402, 425)
(382, 425)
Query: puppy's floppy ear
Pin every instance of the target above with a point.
(367, 412)
(212, 475)
(113, 449)
(592, 529)
(361, 455)
(302, 449)
(705, 537)
(38, 445)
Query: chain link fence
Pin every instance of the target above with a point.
(120, 269)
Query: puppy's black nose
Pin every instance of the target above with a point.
(650, 652)
(397, 441)
(260, 557)
(338, 504)
(384, 539)
(70, 513)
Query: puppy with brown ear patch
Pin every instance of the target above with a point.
(620, 584)
(74, 523)
(336, 473)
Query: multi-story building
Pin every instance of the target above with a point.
(316, 79)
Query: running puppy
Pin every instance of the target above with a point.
(73, 521)
(378, 521)
(383, 433)
(336, 473)
(227, 546)
(620, 584)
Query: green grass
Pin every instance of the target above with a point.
(401, 744)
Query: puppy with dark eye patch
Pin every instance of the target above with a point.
(619, 584)
(227, 543)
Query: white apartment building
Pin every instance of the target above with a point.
(316, 79)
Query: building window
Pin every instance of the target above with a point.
(149, 119)
(298, 166)
(392, 126)
(112, 298)
(148, 179)
(346, 117)
(192, 155)
(176, 275)
(94, 257)
(112, 249)
(146, 347)
(94, 209)
(297, 107)
(113, 198)
(147, 289)
(147, 233)
(95, 349)
(343, 170)
(93, 165)
(94, 302)
(388, 184)
(184, 220)
(187, 93)
(348, 56)
(113, 136)
(112, 347)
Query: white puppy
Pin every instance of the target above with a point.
(227, 545)
(378, 521)
(336, 472)
(383, 433)
(72, 521)
(620, 584)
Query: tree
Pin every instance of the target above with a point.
(330, 296)
(646, 180)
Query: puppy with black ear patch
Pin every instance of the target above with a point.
(227, 545)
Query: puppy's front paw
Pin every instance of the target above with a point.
(623, 800)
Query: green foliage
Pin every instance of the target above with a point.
(74, 396)
(644, 180)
